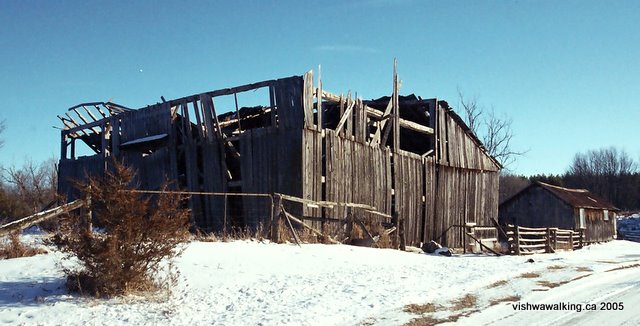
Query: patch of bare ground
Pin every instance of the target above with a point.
(529, 275)
(420, 309)
(606, 261)
(623, 267)
(583, 269)
(497, 284)
(555, 267)
(511, 298)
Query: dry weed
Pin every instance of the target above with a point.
(511, 298)
(497, 284)
(556, 267)
(14, 248)
(468, 301)
(529, 275)
(623, 267)
(549, 284)
(583, 269)
(420, 309)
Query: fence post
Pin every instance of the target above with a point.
(349, 222)
(403, 237)
(275, 222)
(224, 214)
(555, 238)
(547, 248)
(516, 239)
(571, 238)
(395, 240)
(88, 217)
(581, 238)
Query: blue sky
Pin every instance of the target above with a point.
(566, 72)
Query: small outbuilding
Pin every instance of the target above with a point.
(545, 205)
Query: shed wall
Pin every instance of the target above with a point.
(537, 208)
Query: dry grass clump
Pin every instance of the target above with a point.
(556, 267)
(549, 284)
(140, 234)
(12, 247)
(497, 284)
(468, 301)
(426, 321)
(529, 275)
(583, 269)
(623, 267)
(419, 309)
(430, 320)
(511, 298)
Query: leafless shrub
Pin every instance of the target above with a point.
(14, 248)
(140, 232)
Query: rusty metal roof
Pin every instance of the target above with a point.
(577, 198)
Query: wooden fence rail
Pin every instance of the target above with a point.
(527, 241)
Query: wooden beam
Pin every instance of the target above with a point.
(85, 121)
(319, 104)
(343, 118)
(90, 113)
(104, 115)
(293, 218)
(28, 221)
(379, 115)
(308, 99)
(381, 125)
(328, 204)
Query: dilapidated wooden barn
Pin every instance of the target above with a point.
(402, 154)
(545, 205)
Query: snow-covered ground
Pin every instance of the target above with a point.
(254, 283)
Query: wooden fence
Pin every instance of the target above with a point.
(629, 235)
(527, 241)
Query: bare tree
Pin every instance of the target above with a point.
(608, 172)
(494, 131)
(35, 184)
(511, 184)
(2, 126)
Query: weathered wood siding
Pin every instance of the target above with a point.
(155, 168)
(408, 189)
(354, 173)
(456, 148)
(537, 208)
(462, 196)
(596, 228)
(71, 171)
(270, 162)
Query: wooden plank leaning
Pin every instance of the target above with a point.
(28, 221)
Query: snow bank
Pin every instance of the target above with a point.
(253, 283)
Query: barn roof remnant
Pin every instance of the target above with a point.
(576, 198)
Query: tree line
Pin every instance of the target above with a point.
(610, 173)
